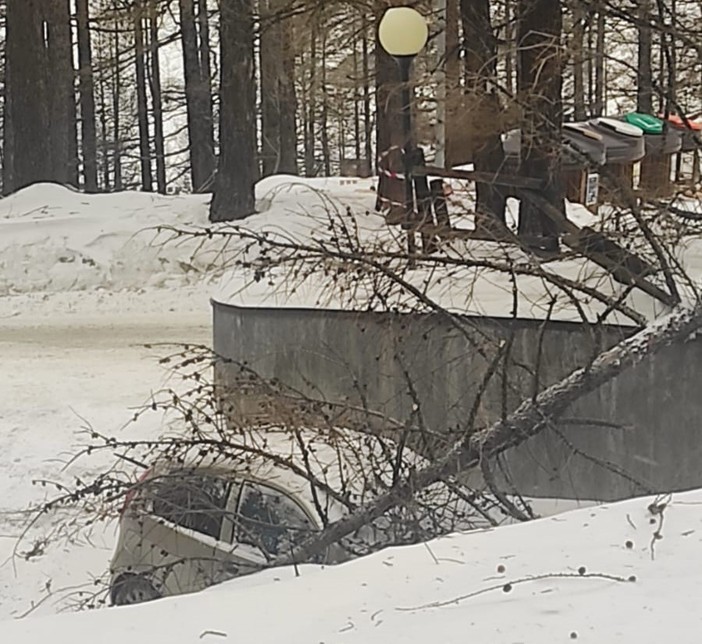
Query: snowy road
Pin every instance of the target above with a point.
(61, 363)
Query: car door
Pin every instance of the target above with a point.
(270, 520)
(190, 527)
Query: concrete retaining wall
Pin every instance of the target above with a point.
(370, 359)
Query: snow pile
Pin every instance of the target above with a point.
(97, 255)
(54, 240)
(481, 278)
(617, 573)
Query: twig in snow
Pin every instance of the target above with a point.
(507, 587)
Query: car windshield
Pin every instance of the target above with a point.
(191, 499)
(270, 520)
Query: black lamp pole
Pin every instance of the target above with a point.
(405, 65)
(403, 32)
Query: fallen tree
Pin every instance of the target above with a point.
(526, 421)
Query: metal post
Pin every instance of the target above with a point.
(405, 64)
(441, 90)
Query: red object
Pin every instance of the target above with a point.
(129, 496)
(677, 121)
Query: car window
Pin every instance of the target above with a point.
(270, 520)
(191, 499)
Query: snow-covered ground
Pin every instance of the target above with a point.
(66, 363)
(82, 291)
(86, 282)
(53, 239)
(596, 575)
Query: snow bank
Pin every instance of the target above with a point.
(595, 575)
(55, 240)
(308, 212)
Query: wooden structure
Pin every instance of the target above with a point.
(625, 147)
(584, 150)
(691, 134)
(430, 219)
(661, 142)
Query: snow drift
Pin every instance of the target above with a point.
(617, 573)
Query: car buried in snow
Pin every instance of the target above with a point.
(191, 522)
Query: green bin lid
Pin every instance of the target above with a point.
(648, 123)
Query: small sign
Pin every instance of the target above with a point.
(592, 189)
(636, 176)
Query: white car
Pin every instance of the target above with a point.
(234, 508)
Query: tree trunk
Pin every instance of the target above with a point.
(198, 96)
(142, 104)
(311, 118)
(203, 21)
(670, 57)
(578, 49)
(156, 100)
(305, 112)
(356, 93)
(104, 138)
(529, 419)
(324, 125)
(509, 49)
(480, 47)
(8, 130)
(271, 66)
(63, 146)
(454, 100)
(87, 99)
(116, 110)
(26, 137)
(644, 71)
(288, 102)
(598, 104)
(236, 172)
(590, 62)
(539, 92)
(367, 117)
(278, 98)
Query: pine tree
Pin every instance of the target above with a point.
(87, 98)
(539, 92)
(26, 140)
(198, 93)
(236, 172)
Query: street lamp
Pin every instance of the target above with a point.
(403, 33)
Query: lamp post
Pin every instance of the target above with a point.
(403, 33)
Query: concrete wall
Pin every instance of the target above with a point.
(368, 359)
